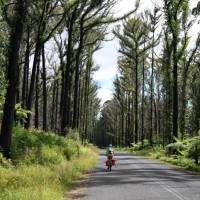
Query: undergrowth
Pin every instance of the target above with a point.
(44, 165)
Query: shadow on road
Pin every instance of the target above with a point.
(134, 170)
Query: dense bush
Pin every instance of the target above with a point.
(194, 149)
(139, 146)
(39, 147)
(175, 148)
(43, 165)
(39, 182)
(5, 162)
(187, 148)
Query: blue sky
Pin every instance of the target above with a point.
(106, 58)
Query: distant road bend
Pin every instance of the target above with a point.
(136, 178)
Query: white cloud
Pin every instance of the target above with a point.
(104, 95)
(104, 73)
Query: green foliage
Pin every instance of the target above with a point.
(194, 149)
(175, 148)
(42, 170)
(40, 147)
(43, 182)
(44, 156)
(21, 113)
(188, 148)
(184, 153)
(73, 135)
(139, 146)
(2, 2)
(5, 162)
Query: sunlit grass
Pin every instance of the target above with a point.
(44, 173)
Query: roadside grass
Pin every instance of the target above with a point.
(41, 169)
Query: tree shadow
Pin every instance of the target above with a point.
(139, 171)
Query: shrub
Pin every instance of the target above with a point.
(71, 149)
(194, 149)
(175, 148)
(5, 162)
(50, 155)
(73, 135)
(36, 146)
(138, 146)
(41, 169)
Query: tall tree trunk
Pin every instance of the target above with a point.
(75, 124)
(32, 83)
(12, 76)
(136, 99)
(26, 70)
(143, 85)
(122, 126)
(129, 121)
(44, 83)
(37, 95)
(68, 75)
(56, 105)
(175, 86)
(183, 89)
(38, 46)
(86, 93)
(152, 91)
(53, 106)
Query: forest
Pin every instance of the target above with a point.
(48, 98)
(156, 91)
(51, 116)
(46, 65)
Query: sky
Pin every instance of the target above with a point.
(106, 58)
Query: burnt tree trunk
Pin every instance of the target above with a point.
(12, 76)
(68, 74)
(38, 46)
(175, 86)
(75, 124)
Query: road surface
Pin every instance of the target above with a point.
(136, 178)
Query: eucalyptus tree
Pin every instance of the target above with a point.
(48, 16)
(119, 95)
(123, 97)
(187, 64)
(87, 16)
(153, 25)
(95, 13)
(194, 97)
(16, 24)
(132, 42)
(176, 12)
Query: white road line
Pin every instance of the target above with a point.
(170, 189)
(166, 187)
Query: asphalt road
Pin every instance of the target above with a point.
(136, 178)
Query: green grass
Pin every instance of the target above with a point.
(45, 166)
